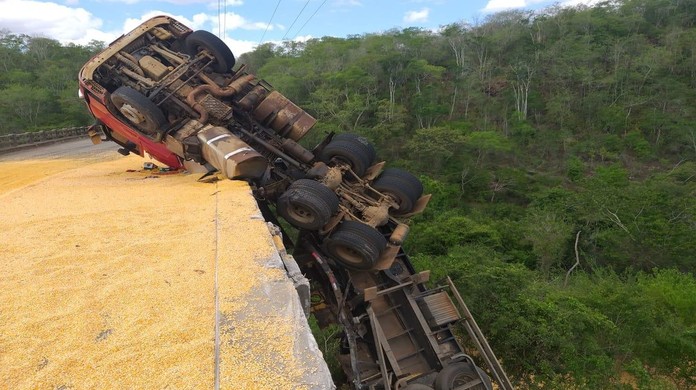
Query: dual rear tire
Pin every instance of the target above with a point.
(402, 186)
(352, 149)
(309, 205)
(355, 245)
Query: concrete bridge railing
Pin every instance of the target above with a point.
(10, 142)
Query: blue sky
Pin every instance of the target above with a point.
(243, 24)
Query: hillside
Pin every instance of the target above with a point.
(560, 150)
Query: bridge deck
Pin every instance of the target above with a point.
(111, 279)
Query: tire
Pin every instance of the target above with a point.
(355, 245)
(307, 204)
(457, 374)
(139, 110)
(204, 40)
(402, 186)
(352, 149)
(359, 139)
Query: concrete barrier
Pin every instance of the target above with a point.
(12, 142)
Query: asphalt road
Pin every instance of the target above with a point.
(76, 148)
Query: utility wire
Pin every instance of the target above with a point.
(310, 18)
(219, 3)
(293, 22)
(224, 19)
(269, 22)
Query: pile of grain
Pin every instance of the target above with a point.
(109, 281)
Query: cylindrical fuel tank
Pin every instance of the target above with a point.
(283, 116)
(230, 155)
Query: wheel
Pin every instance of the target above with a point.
(352, 149)
(139, 110)
(204, 40)
(457, 374)
(307, 204)
(355, 245)
(402, 186)
(359, 139)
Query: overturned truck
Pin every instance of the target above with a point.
(175, 94)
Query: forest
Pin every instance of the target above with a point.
(560, 149)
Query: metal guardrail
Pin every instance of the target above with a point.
(11, 142)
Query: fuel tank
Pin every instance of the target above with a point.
(230, 155)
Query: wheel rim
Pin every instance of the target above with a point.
(132, 114)
(465, 378)
(301, 214)
(136, 117)
(348, 254)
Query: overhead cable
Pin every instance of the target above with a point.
(310, 18)
(269, 22)
(293, 22)
(219, 15)
(224, 19)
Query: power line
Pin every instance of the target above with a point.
(219, 3)
(269, 22)
(293, 22)
(310, 18)
(222, 18)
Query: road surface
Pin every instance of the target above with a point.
(72, 149)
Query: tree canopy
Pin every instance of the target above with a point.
(548, 138)
(38, 83)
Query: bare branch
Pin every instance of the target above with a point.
(677, 165)
(615, 218)
(463, 181)
(577, 259)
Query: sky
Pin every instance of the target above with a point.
(244, 24)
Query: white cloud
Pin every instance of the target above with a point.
(79, 26)
(303, 38)
(499, 5)
(230, 21)
(208, 22)
(417, 16)
(52, 20)
(239, 47)
(198, 21)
